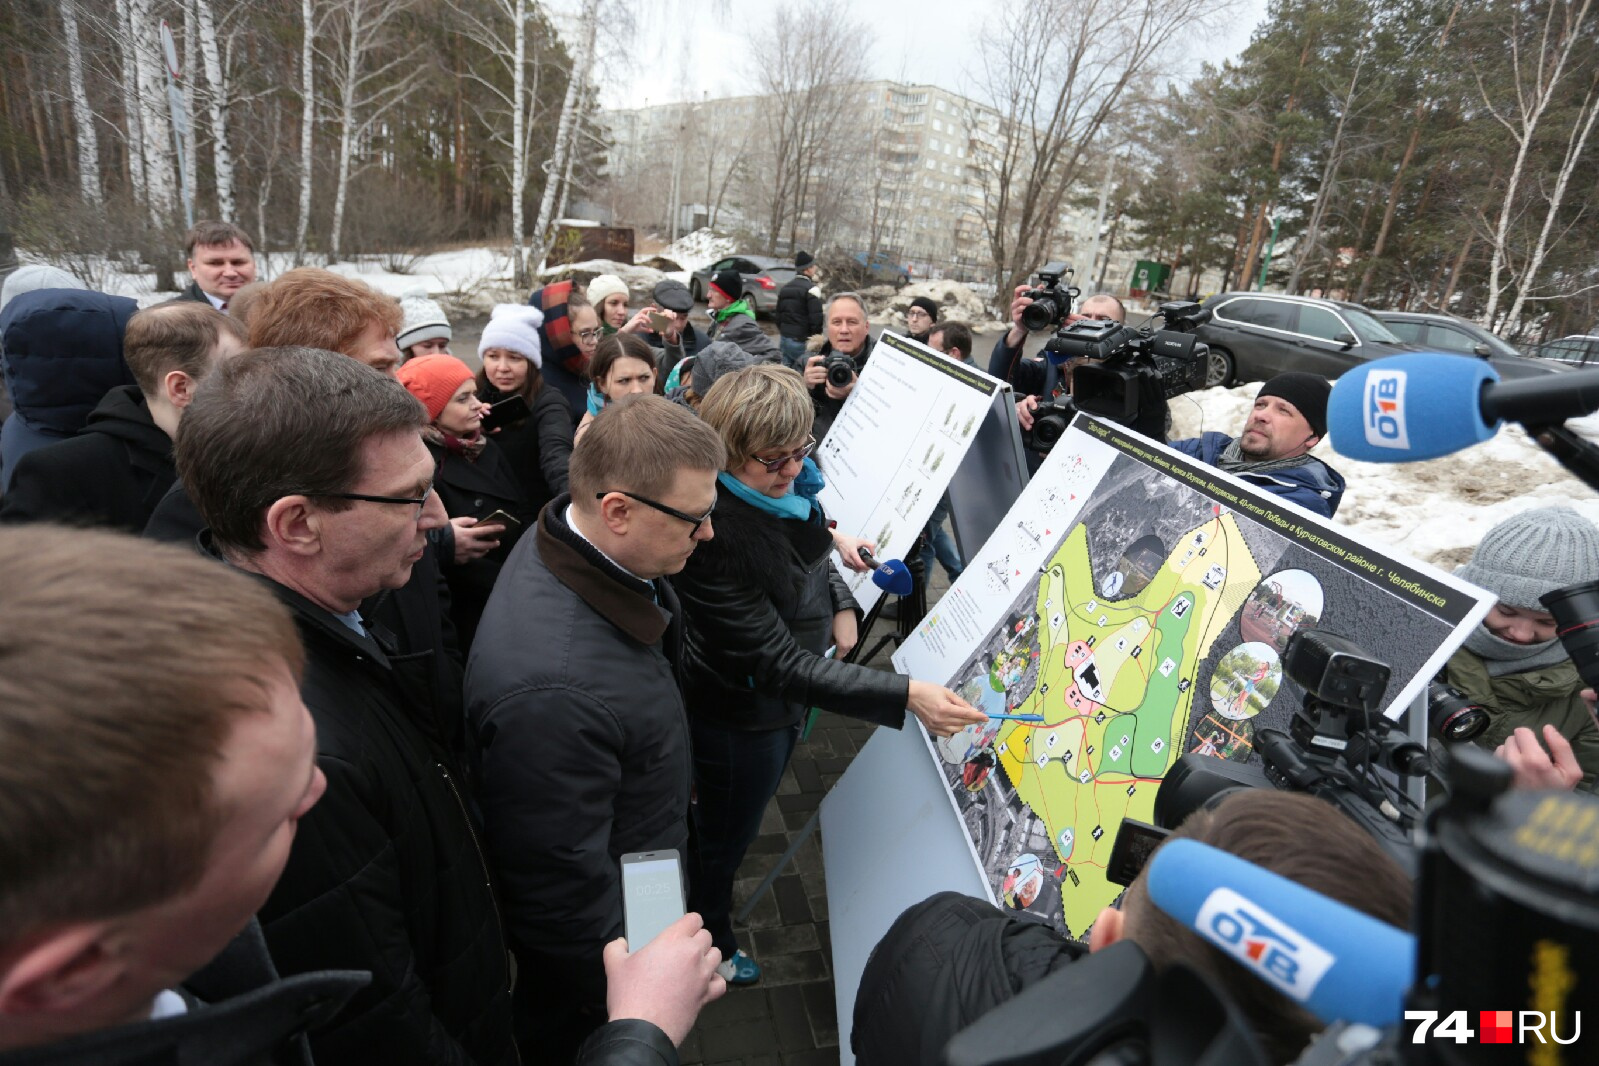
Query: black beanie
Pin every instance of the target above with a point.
(1307, 392)
(803, 259)
(729, 283)
(926, 305)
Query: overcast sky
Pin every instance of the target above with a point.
(679, 49)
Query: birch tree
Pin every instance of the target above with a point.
(154, 122)
(367, 81)
(310, 28)
(216, 101)
(82, 115)
(1539, 64)
(131, 115)
(566, 132)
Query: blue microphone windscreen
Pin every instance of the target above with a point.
(1408, 407)
(1338, 962)
(895, 577)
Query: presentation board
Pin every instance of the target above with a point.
(894, 446)
(1134, 605)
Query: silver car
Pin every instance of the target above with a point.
(762, 274)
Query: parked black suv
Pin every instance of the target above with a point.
(1255, 335)
(1446, 333)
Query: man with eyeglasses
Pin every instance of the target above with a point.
(310, 472)
(573, 695)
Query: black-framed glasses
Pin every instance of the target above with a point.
(773, 465)
(661, 507)
(419, 502)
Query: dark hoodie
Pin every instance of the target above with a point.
(564, 365)
(111, 475)
(62, 354)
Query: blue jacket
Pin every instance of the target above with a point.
(1029, 377)
(62, 354)
(1313, 485)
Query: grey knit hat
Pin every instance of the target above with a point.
(423, 320)
(1535, 552)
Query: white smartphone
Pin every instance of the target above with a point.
(652, 894)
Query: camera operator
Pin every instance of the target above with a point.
(1036, 377)
(831, 372)
(1273, 452)
(1514, 666)
(951, 959)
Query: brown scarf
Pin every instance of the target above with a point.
(468, 449)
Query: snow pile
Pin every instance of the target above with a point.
(1436, 511)
(698, 249)
(641, 280)
(956, 302)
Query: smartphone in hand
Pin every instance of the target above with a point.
(503, 518)
(660, 323)
(652, 894)
(509, 410)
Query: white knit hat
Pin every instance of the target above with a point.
(34, 277)
(605, 285)
(515, 327)
(424, 320)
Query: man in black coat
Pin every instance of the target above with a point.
(175, 772)
(221, 260)
(799, 311)
(311, 472)
(573, 694)
(681, 340)
(115, 471)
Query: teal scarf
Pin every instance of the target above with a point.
(798, 503)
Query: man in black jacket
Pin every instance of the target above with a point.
(573, 693)
(310, 471)
(115, 471)
(148, 804)
(799, 310)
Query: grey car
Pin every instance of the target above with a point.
(1256, 335)
(1581, 349)
(1446, 333)
(762, 274)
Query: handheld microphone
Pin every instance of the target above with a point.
(1339, 963)
(893, 576)
(1427, 404)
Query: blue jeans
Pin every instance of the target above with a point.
(939, 542)
(793, 352)
(736, 774)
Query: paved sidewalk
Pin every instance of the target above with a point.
(789, 1018)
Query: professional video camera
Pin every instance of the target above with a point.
(1506, 916)
(1334, 748)
(1124, 375)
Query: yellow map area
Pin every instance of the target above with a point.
(1115, 685)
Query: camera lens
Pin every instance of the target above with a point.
(1576, 611)
(840, 372)
(1452, 716)
(1040, 314)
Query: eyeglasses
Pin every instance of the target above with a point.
(696, 522)
(420, 502)
(589, 334)
(773, 465)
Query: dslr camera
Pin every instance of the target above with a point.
(840, 370)
(1051, 303)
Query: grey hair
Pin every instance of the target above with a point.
(837, 296)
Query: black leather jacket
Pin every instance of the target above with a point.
(799, 308)
(760, 598)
